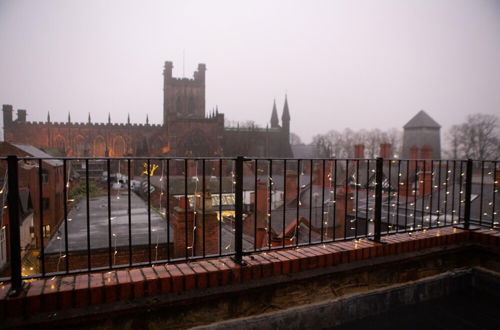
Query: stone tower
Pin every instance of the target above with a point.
(183, 98)
(421, 137)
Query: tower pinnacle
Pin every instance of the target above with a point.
(274, 117)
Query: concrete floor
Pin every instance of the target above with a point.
(470, 309)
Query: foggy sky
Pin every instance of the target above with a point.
(358, 64)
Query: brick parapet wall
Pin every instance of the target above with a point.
(76, 291)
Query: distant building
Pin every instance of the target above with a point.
(187, 129)
(306, 151)
(421, 138)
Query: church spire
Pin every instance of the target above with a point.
(147, 119)
(285, 116)
(128, 118)
(274, 117)
(286, 113)
(89, 118)
(109, 118)
(48, 116)
(69, 117)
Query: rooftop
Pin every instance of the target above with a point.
(422, 120)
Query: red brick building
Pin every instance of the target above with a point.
(187, 129)
(52, 198)
(52, 184)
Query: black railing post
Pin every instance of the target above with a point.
(378, 199)
(14, 230)
(238, 225)
(468, 194)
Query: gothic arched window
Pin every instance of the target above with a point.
(99, 147)
(119, 147)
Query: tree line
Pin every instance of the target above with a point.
(477, 138)
(341, 144)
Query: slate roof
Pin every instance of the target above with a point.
(422, 119)
(37, 153)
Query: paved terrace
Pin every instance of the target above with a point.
(216, 289)
(98, 224)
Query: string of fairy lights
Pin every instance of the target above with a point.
(441, 206)
(233, 186)
(407, 197)
(58, 237)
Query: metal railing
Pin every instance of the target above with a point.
(89, 214)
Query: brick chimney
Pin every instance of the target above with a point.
(262, 197)
(261, 238)
(248, 169)
(261, 215)
(192, 168)
(181, 224)
(207, 226)
(385, 150)
(291, 185)
(318, 173)
(414, 152)
(424, 183)
(340, 211)
(359, 151)
(426, 152)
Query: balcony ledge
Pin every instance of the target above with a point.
(93, 296)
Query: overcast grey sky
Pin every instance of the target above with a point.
(358, 64)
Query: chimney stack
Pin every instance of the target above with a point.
(318, 173)
(385, 150)
(260, 216)
(424, 183)
(182, 223)
(192, 168)
(207, 226)
(341, 212)
(414, 152)
(291, 186)
(426, 152)
(359, 151)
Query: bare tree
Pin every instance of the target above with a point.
(477, 138)
(341, 145)
(453, 137)
(324, 145)
(373, 140)
(394, 136)
(295, 139)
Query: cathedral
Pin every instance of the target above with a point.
(187, 130)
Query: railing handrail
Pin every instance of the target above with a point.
(238, 182)
(245, 157)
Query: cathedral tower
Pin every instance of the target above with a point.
(183, 98)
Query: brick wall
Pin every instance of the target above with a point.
(275, 267)
(100, 258)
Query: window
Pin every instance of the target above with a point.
(45, 203)
(46, 231)
(45, 176)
